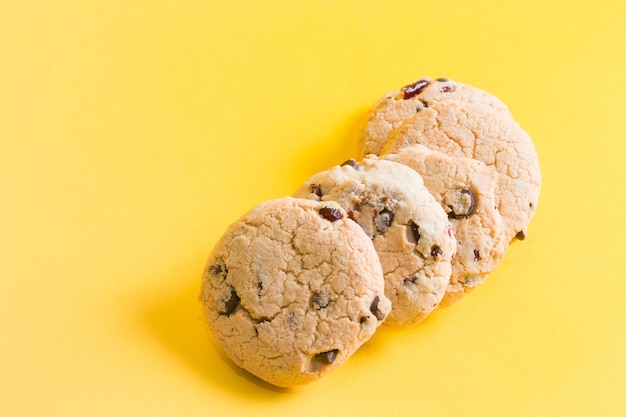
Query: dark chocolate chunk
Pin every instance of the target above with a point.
(320, 300)
(374, 309)
(351, 162)
(476, 255)
(459, 202)
(218, 269)
(383, 220)
(231, 303)
(442, 80)
(520, 235)
(317, 190)
(327, 357)
(413, 233)
(411, 90)
(331, 214)
(410, 280)
(436, 251)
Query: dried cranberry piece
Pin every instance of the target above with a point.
(448, 88)
(331, 214)
(411, 90)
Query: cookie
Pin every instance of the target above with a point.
(396, 106)
(410, 230)
(487, 135)
(465, 188)
(293, 289)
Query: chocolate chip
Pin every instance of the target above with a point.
(436, 251)
(411, 90)
(374, 309)
(327, 357)
(442, 80)
(383, 220)
(231, 303)
(520, 235)
(447, 88)
(413, 233)
(364, 319)
(259, 287)
(218, 269)
(476, 255)
(320, 300)
(531, 205)
(317, 190)
(351, 162)
(331, 214)
(410, 280)
(460, 203)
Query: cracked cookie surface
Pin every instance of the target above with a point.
(398, 105)
(488, 135)
(465, 189)
(410, 230)
(293, 289)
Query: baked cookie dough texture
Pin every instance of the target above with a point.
(462, 121)
(409, 229)
(292, 289)
(445, 181)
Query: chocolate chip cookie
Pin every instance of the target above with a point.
(489, 135)
(465, 189)
(398, 105)
(293, 289)
(410, 230)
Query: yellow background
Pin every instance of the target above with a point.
(133, 132)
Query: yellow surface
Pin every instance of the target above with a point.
(133, 132)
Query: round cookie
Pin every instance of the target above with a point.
(465, 189)
(487, 135)
(410, 230)
(293, 289)
(394, 107)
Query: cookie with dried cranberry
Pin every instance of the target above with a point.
(410, 230)
(465, 188)
(488, 135)
(293, 289)
(397, 105)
